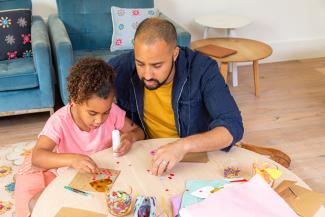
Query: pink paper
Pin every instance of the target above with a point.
(176, 203)
(252, 199)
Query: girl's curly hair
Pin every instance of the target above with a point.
(90, 76)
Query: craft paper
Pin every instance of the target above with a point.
(254, 198)
(193, 185)
(176, 203)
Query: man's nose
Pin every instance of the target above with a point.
(147, 75)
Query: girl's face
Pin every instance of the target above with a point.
(92, 113)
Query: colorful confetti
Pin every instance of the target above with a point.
(119, 203)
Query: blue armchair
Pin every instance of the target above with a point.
(26, 84)
(82, 28)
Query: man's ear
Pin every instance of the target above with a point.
(176, 52)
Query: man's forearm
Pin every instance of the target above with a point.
(215, 139)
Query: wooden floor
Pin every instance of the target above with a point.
(289, 115)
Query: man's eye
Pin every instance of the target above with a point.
(92, 114)
(157, 66)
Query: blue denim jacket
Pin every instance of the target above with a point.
(200, 97)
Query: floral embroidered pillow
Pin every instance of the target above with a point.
(125, 22)
(15, 37)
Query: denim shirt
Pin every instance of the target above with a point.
(201, 99)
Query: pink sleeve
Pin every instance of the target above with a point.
(119, 116)
(52, 129)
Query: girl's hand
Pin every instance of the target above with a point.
(83, 163)
(125, 144)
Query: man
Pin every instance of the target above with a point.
(174, 92)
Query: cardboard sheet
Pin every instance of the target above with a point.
(303, 201)
(72, 212)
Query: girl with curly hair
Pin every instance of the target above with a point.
(76, 131)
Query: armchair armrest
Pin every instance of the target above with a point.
(42, 58)
(183, 36)
(62, 51)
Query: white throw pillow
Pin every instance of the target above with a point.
(125, 22)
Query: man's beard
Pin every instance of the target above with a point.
(158, 83)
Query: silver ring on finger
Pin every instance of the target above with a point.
(164, 162)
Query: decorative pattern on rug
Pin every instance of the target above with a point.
(11, 156)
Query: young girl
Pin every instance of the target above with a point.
(74, 132)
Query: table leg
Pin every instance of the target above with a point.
(205, 34)
(234, 75)
(256, 71)
(233, 66)
(224, 70)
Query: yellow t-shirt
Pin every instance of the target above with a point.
(158, 112)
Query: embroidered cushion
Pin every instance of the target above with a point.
(15, 37)
(125, 22)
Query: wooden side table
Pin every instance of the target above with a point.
(228, 22)
(247, 50)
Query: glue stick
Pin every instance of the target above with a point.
(115, 140)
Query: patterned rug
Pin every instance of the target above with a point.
(11, 156)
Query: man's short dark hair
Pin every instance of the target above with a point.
(152, 29)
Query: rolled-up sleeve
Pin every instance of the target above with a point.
(220, 104)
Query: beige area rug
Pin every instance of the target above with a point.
(11, 157)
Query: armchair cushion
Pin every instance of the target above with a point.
(18, 74)
(125, 22)
(15, 36)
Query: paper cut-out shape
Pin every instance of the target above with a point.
(103, 174)
(204, 192)
(101, 185)
(268, 171)
(82, 180)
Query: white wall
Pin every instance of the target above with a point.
(294, 28)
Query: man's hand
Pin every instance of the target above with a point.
(83, 163)
(125, 144)
(167, 156)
